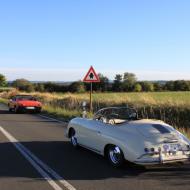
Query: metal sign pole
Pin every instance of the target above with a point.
(91, 97)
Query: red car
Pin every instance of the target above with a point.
(24, 103)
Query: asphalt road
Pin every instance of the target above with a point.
(35, 155)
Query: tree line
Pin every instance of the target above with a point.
(126, 82)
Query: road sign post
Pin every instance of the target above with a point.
(91, 77)
(90, 96)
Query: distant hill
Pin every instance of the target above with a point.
(66, 83)
(156, 81)
(55, 82)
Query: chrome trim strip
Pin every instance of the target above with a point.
(163, 162)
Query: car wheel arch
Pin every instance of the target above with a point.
(71, 130)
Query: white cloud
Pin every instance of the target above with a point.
(48, 74)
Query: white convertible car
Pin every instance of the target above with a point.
(118, 134)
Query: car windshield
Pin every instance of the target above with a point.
(25, 98)
(116, 115)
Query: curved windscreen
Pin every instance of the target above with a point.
(20, 97)
(115, 115)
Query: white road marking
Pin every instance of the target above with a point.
(48, 169)
(52, 119)
(36, 163)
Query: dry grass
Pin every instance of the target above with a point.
(171, 107)
(176, 99)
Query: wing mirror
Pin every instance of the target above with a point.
(133, 116)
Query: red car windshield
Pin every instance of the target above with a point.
(25, 98)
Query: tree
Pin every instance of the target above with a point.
(147, 86)
(181, 85)
(100, 86)
(55, 87)
(129, 80)
(169, 86)
(23, 85)
(117, 84)
(137, 87)
(77, 87)
(178, 85)
(39, 87)
(3, 81)
(158, 86)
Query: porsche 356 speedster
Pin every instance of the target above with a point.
(118, 134)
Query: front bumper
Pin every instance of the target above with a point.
(29, 109)
(158, 158)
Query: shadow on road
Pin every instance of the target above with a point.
(82, 164)
(5, 112)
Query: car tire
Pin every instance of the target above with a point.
(10, 109)
(16, 109)
(39, 111)
(115, 156)
(73, 139)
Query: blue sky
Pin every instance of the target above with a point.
(60, 39)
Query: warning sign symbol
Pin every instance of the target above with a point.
(91, 76)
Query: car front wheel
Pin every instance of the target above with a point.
(73, 138)
(115, 156)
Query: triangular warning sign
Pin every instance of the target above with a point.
(91, 76)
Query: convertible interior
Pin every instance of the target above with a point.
(116, 115)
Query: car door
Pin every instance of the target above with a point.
(91, 135)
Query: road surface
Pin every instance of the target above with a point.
(35, 155)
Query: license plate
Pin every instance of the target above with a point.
(30, 108)
(172, 147)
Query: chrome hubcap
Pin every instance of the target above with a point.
(74, 141)
(115, 155)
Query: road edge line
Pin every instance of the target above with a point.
(49, 170)
(52, 119)
(36, 163)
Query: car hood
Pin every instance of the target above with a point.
(29, 103)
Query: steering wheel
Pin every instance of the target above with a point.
(133, 116)
(111, 121)
(103, 119)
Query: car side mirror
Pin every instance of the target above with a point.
(133, 116)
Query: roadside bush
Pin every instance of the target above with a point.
(3, 81)
(78, 87)
(23, 85)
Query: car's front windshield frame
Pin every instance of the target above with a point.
(122, 114)
(20, 98)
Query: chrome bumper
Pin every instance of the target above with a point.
(163, 158)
